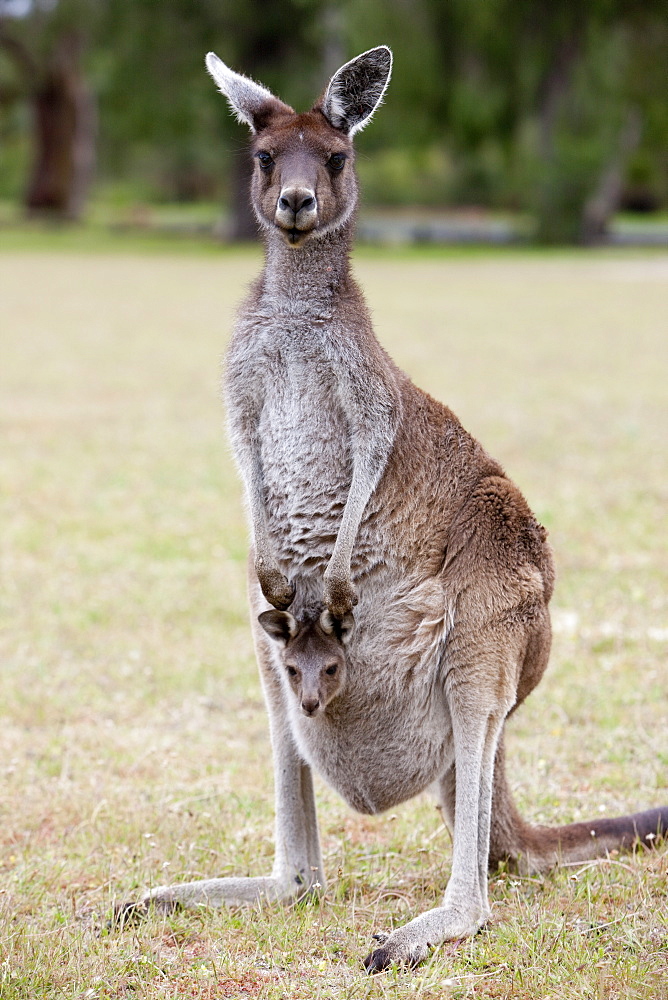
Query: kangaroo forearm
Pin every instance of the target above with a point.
(248, 460)
(275, 587)
(358, 498)
(370, 460)
(338, 592)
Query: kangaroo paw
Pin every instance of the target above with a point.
(411, 944)
(340, 597)
(276, 588)
(126, 915)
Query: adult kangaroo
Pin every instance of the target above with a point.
(366, 493)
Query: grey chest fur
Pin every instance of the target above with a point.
(303, 434)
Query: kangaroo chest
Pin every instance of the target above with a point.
(303, 435)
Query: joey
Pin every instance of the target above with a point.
(312, 654)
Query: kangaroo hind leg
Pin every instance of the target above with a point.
(480, 689)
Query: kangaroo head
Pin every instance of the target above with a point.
(313, 655)
(304, 181)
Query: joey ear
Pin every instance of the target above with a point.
(341, 628)
(356, 90)
(250, 102)
(279, 626)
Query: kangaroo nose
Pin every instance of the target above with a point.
(309, 705)
(296, 199)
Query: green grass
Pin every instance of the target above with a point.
(133, 744)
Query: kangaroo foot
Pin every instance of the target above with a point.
(214, 893)
(130, 913)
(412, 944)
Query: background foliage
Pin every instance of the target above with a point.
(547, 107)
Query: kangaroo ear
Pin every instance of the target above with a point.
(341, 628)
(279, 626)
(356, 90)
(251, 103)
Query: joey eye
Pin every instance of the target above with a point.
(266, 160)
(331, 669)
(336, 161)
(291, 671)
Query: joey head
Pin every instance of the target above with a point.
(312, 655)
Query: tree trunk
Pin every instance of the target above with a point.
(64, 120)
(555, 87)
(558, 217)
(600, 208)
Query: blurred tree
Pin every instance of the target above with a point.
(646, 184)
(586, 127)
(555, 84)
(46, 41)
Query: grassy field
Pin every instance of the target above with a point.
(133, 738)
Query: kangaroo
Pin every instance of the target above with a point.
(312, 653)
(365, 493)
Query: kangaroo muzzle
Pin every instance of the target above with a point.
(297, 210)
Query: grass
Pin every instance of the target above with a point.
(133, 744)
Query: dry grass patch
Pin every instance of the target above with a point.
(133, 746)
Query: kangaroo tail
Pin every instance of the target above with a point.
(537, 848)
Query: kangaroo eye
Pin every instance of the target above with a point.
(336, 161)
(291, 671)
(266, 160)
(331, 669)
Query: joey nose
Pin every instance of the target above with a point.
(310, 705)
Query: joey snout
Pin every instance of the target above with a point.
(310, 705)
(321, 681)
(309, 685)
